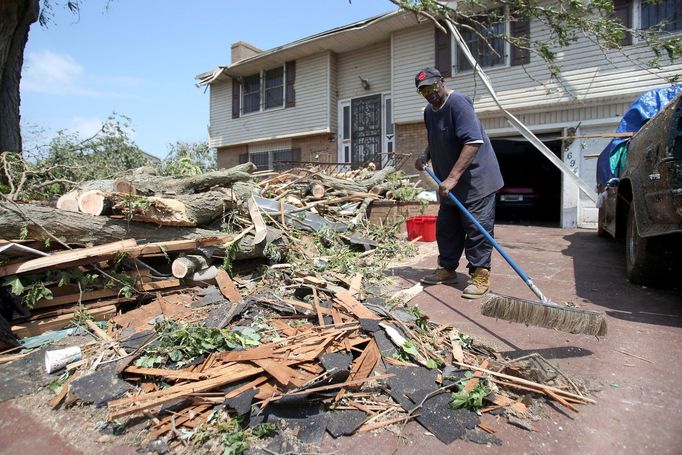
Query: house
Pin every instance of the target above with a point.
(347, 95)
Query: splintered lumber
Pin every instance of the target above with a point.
(94, 202)
(103, 336)
(75, 298)
(148, 185)
(281, 373)
(72, 227)
(68, 258)
(227, 287)
(224, 376)
(182, 210)
(355, 185)
(54, 402)
(33, 328)
(257, 218)
(184, 266)
(165, 373)
(358, 309)
(522, 381)
(363, 365)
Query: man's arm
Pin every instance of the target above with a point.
(463, 162)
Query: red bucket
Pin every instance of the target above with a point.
(421, 225)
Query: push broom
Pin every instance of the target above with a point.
(543, 313)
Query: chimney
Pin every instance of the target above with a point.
(242, 50)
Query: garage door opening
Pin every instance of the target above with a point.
(532, 184)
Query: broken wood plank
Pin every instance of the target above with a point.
(102, 335)
(33, 328)
(158, 285)
(358, 309)
(385, 423)
(363, 365)
(227, 286)
(471, 383)
(63, 391)
(166, 373)
(281, 373)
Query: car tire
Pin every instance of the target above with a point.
(640, 253)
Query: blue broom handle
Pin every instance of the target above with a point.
(483, 231)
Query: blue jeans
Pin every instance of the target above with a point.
(456, 233)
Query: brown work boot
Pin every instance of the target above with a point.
(478, 284)
(441, 276)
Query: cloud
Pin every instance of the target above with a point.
(52, 73)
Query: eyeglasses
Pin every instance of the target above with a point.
(426, 90)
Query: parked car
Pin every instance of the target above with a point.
(510, 197)
(643, 206)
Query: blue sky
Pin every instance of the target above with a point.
(139, 58)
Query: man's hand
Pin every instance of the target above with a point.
(446, 186)
(420, 163)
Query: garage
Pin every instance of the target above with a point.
(532, 191)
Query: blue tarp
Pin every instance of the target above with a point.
(639, 112)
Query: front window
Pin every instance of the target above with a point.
(483, 37)
(274, 88)
(264, 90)
(251, 94)
(665, 15)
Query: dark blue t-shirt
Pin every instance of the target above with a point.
(448, 129)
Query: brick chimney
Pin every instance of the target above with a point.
(242, 50)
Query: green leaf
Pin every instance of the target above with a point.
(409, 348)
(15, 285)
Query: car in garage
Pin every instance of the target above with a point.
(642, 205)
(517, 197)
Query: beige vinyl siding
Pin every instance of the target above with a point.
(413, 49)
(589, 79)
(311, 113)
(372, 63)
(333, 92)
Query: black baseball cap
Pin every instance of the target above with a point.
(427, 76)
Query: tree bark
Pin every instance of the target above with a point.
(72, 227)
(188, 210)
(16, 17)
(148, 185)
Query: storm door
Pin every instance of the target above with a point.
(366, 131)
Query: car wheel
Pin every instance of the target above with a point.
(640, 257)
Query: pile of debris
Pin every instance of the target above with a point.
(271, 333)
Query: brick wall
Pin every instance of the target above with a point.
(410, 139)
(316, 148)
(229, 156)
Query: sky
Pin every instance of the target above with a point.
(139, 58)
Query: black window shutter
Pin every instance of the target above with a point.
(296, 154)
(622, 10)
(520, 29)
(243, 158)
(235, 98)
(290, 95)
(443, 53)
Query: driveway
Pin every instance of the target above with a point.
(637, 365)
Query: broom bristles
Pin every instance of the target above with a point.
(547, 315)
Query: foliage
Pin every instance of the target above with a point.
(30, 293)
(182, 342)
(45, 171)
(231, 251)
(235, 435)
(80, 317)
(566, 22)
(472, 399)
(186, 158)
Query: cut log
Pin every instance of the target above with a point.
(184, 266)
(316, 190)
(149, 185)
(68, 201)
(182, 210)
(81, 228)
(94, 202)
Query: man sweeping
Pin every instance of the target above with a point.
(463, 159)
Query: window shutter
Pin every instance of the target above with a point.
(443, 53)
(296, 155)
(236, 86)
(622, 10)
(243, 158)
(520, 29)
(290, 94)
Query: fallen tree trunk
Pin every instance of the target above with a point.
(188, 210)
(149, 185)
(358, 186)
(184, 266)
(71, 227)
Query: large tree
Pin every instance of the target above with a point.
(16, 17)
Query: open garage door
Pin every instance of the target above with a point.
(532, 191)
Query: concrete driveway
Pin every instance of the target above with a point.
(639, 409)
